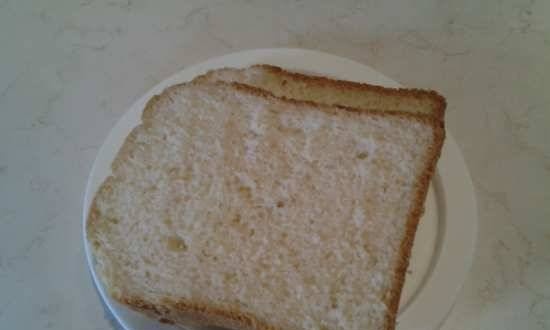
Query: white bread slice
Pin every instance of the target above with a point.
(325, 90)
(230, 207)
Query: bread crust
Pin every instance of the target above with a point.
(181, 312)
(344, 85)
(415, 214)
(185, 313)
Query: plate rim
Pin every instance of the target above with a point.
(455, 184)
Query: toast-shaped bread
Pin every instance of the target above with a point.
(228, 206)
(329, 91)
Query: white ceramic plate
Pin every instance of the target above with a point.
(445, 239)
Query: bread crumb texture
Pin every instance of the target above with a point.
(289, 212)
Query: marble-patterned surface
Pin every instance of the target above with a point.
(69, 69)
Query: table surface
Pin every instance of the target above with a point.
(69, 70)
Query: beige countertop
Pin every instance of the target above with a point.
(69, 70)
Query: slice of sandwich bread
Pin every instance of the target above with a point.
(229, 206)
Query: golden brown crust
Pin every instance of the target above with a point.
(93, 213)
(415, 214)
(182, 312)
(331, 108)
(438, 110)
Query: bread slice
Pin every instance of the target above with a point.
(334, 92)
(231, 207)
